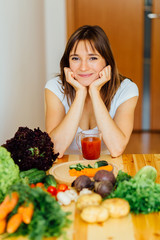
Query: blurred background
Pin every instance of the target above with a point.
(33, 35)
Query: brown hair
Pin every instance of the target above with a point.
(98, 40)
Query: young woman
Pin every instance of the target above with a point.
(90, 94)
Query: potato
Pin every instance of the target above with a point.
(117, 207)
(92, 199)
(93, 214)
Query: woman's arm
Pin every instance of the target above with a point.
(60, 126)
(116, 132)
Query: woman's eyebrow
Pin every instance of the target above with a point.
(90, 54)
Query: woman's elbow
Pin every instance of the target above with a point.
(117, 150)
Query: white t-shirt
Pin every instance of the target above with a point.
(127, 90)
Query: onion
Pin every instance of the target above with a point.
(81, 182)
(103, 188)
(103, 175)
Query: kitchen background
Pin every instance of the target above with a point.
(32, 39)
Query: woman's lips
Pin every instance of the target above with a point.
(86, 75)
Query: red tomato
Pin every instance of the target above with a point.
(32, 185)
(52, 190)
(62, 188)
(39, 184)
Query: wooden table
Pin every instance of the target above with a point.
(132, 227)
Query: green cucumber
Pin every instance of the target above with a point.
(100, 164)
(34, 175)
(49, 180)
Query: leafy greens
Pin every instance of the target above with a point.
(31, 149)
(9, 172)
(48, 220)
(142, 193)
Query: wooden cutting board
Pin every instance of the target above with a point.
(61, 171)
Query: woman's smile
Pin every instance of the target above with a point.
(86, 63)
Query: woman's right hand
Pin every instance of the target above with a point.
(72, 81)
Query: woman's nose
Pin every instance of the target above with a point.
(84, 65)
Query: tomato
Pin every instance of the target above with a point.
(52, 190)
(62, 188)
(39, 184)
(32, 185)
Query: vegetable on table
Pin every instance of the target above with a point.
(66, 197)
(82, 182)
(100, 164)
(52, 190)
(49, 180)
(117, 207)
(9, 172)
(31, 149)
(62, 188)
(48, 219)
(85, 200)
(90, 172)
(33, 175)
(104, 188)
(3, 224)
(142, 193)
(94, 214)
(8, 204)
(27, 212)
(103, 175)
(14, 223)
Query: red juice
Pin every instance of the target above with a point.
(91, 147)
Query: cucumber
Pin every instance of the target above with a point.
(100, 164)
(37, 177)
(28, 172)
(34, 175)
(49, 180)
(73, 166)
(79, 166)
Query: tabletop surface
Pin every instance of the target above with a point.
(132, 227)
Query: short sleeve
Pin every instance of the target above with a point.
(127, 90)
(55, 86)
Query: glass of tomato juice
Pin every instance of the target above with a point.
(89, 144)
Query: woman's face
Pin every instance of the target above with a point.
(86, 63)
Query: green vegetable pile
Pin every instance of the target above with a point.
(9, 172)
(31, 149)
(48, 220)
(141, 191)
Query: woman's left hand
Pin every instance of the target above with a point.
(104, 76)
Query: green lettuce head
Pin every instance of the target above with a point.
(9, 172)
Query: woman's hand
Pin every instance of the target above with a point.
(104, 76)
(72, 81)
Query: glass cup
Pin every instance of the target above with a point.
(89, 144)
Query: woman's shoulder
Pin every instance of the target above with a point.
(127, 89)
(52, 83)
(128, 84)
(55, 86)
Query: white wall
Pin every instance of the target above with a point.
(55, 34)
(32, 38)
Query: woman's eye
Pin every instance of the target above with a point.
(75, 58)
(93, 58)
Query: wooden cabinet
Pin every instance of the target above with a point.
(155, 67)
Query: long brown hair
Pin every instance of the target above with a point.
(99, 41)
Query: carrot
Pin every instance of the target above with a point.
(20, 209)
(27, 213)
(3, 224)
(90, 172)
(8, 204)
(14, 223)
